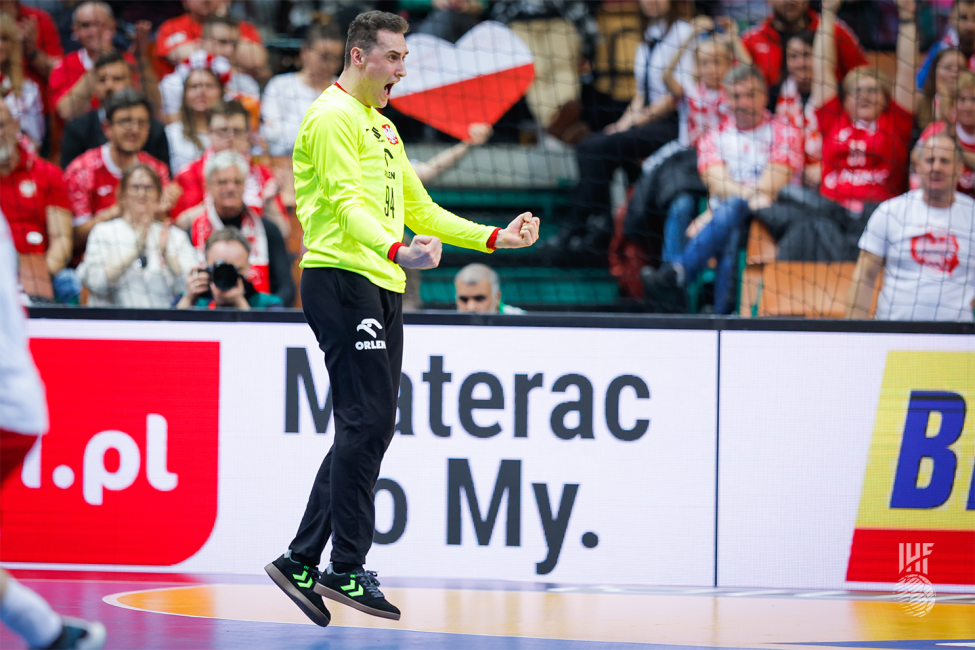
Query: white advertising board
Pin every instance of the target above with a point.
(193, 446)
(846, 460)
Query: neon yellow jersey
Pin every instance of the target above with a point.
(355, 189)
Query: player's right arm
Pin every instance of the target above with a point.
(333, 146)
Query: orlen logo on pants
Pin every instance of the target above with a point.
(919, 486)
(128, 472)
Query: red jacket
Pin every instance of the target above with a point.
(767, 49)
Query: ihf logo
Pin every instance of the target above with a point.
(913, 588)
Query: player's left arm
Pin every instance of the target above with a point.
(424, 217)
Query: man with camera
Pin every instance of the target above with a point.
(222, 282)
(270, 265)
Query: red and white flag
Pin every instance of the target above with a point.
(451, 86)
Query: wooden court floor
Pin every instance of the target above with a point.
(163, 611)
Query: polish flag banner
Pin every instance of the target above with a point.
(452, 86)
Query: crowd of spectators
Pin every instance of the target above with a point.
(174, 140)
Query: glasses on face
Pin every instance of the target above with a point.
(137, 189)
(478, 298)
(230, 133)
(224, 42)
(202, 85)
(131, 123)
(868, 91)
(96, 23)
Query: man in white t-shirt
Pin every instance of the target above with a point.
(23, 417)
(744, 165)
(924, 241)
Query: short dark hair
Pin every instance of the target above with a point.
(125, 98)
(230, 233)
(233, 107)
(329, 32)
(364, 30)
(108, 59)
(227, 20)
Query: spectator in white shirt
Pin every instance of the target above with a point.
(220, 38)
(20, 93)
(189, 136)
(136, 260)
(924, 242)
(288, 96)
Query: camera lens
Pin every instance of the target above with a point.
(224, 275)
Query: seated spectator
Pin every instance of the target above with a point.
(93, 177)
(218, 53)
(112, 74)
(40, 41)
(941, 85)
(73, 77)
(189, 136)
(288, 96)
(477, 290)
(866, 140)
(923, 242)
(21, 94)
(744, 165)
(795, 106)
(228, 131)
(649, 122)
(35, 202)
(222, 282)
(960, 34)
(703, 107)
(179, 37)
(137, 260)
(790, 17)
(561, 36)
(270, 270)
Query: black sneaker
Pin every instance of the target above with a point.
(663, 289)
(77, 634)
(297, 581)
(357, 588)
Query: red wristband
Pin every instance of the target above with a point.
(392, 251)
(493, 239)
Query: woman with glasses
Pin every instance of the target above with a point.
(189, 135)
(139, 259)
(866, 135)
(289, 95)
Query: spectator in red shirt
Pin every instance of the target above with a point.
(228, 130)
(42, 45)
(112, 74)
(766, 42)
(73, 77)
(93, 177)
(35, 202)
(179, 37)
(866, 140)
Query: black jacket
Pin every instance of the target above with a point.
(85, 132)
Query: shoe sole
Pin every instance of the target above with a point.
(331, 594)
(317, 616)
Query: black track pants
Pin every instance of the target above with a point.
(359, 327)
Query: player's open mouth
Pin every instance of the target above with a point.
(388, 89)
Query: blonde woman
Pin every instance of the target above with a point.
(137, 260)
(189, 136)
(21, 94)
